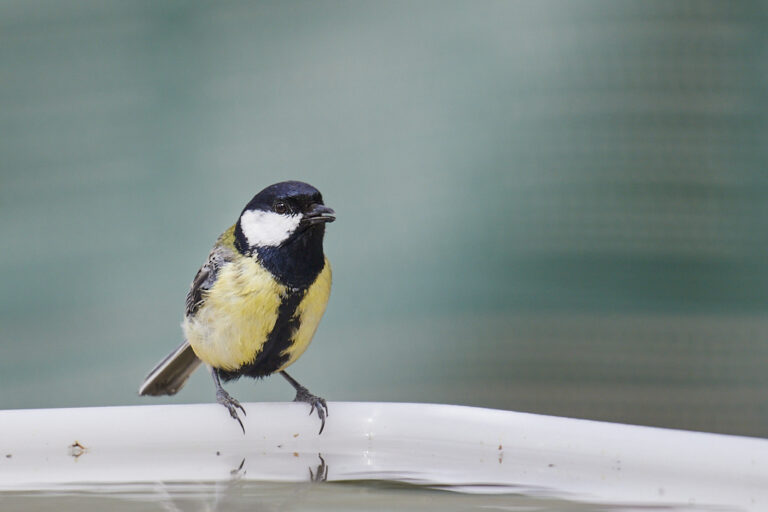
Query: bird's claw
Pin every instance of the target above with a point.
(232, 406)
(317, 403)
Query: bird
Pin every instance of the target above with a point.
(254, 305)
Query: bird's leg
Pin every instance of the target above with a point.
(303, 395)
(226, 399)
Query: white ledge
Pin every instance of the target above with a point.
(462, 448)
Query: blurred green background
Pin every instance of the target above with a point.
(550, 206)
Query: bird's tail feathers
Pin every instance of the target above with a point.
(170, 374)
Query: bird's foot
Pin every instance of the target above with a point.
(317, 403)
(231, 404)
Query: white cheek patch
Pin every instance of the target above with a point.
(267, 228)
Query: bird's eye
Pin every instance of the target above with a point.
(280, 207)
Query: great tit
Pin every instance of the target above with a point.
(255, 304)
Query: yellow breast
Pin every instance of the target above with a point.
(241, 309)
(239, 312)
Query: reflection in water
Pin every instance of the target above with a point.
(320, 474)
(237, 495)
(322, 471)
(377, 491)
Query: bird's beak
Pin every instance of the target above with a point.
(318, 215)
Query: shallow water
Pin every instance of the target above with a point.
(243, 495)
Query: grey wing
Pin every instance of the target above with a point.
(205, 278)
(170, 374)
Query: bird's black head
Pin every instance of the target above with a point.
(283, 225)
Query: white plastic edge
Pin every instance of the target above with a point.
(465, 448)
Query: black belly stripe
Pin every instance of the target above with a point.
(271, 356)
